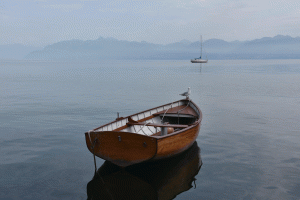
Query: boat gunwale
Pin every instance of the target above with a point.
(139, 113)
(196, 123)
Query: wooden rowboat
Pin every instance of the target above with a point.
(153, 134)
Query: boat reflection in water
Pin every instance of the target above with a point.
(163, 179)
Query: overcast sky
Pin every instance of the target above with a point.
(42, 22)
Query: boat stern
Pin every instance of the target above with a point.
(121, 148)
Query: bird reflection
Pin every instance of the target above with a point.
(163, 179)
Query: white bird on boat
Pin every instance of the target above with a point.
(187, 94)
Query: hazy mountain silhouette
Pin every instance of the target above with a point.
(281, 47)
(16, 51)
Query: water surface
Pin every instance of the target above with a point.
(249, 138)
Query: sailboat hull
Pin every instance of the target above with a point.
(199, 61)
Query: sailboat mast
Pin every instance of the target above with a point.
(201, 46)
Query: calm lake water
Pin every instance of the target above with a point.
(249, 138)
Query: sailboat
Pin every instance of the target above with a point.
(199, 60)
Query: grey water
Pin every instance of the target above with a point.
(249, 137)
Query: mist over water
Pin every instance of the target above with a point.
(249, 137)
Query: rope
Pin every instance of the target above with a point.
(183, 109)
(165, 113)
(150, 129)
(95, 174)
(93, 146)
(94, 155)
(90, 136)
(106, 188)
(143, 127)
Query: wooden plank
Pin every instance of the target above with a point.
(142, 120)
(158, 125)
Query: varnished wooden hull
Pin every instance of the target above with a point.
(127, 148)
(163, 179)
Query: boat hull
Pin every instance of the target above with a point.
(199, 61)
(124, 149)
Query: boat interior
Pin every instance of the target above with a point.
(158, 121)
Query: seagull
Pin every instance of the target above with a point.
(186, 93)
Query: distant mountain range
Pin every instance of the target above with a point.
(278, 47)
(16, 51)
